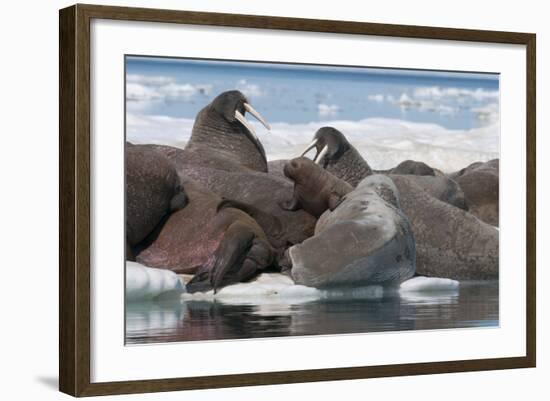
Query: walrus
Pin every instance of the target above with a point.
(315, 189)
(413, 167)
(153, 190)
(365, 240)
(338, 156)
(262, 192)
(440, 187)
(223, 138)
(450, 242)
(219, 244)
(480, 184)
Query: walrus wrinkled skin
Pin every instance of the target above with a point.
(222, 138)
(413, 167)
(440, 187)
(338, 156)
(315, 189)
(450, 242)
(366, 240)
(220, 246)
(153, 190)
(480, 183)
(262, 191)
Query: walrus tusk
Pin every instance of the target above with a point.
(257, 115)
(320, 156)
(309, 147)
(247, 125)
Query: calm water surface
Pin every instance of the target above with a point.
(474, 305)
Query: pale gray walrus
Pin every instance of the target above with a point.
(450, 242)
(153, 190)
(365, 240)
(217, 243)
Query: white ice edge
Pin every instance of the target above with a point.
(277, 288)
(145, 283)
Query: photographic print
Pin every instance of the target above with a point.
(273, 199)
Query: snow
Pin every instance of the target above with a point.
(383, 142)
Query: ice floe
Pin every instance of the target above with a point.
(428, 284)
(143, 283)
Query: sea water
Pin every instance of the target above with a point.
(472, 304)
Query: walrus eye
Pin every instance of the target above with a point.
(309, 147)
(257, 116)
(320, 156)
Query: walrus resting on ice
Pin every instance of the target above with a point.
(219, 245)
(366, 240)
(315, 189)
(153, 190)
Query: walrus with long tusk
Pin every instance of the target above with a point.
(338, 156)
(223, 138)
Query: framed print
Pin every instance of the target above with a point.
(250, 200)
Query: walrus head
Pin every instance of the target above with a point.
(299, 169)
(232, 106)
(329, 144)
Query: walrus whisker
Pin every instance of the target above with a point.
(246, 124)
(257, 116)
(320, 156)
(309, 147)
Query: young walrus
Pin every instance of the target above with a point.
(315, 189)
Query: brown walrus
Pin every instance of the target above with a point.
(153, 190)
(315, 189)
(219, 244)
(261, 191)
(450, 242)
(480, 183)
(338, 156)
(223, 138)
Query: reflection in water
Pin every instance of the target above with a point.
(474, 305)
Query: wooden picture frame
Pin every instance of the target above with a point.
(74, 204)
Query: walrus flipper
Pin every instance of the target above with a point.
(238, 257)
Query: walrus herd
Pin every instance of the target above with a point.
(218, 210)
